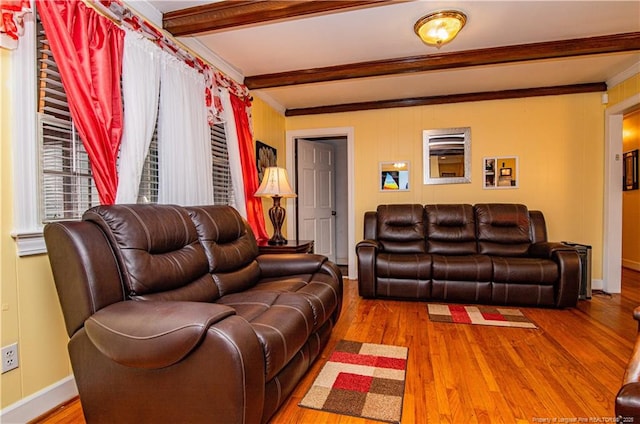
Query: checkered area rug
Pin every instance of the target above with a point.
(362, 380)
(481, 315)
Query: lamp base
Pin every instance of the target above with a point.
(273, 241)
(277, 214)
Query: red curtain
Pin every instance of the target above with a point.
(88, 50)
(255, 215)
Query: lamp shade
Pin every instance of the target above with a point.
(439, 28)
(275, 183)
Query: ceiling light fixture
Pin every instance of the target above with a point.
(438, 28)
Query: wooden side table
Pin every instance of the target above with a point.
(293, 246)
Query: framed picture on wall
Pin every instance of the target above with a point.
(394, 176)
(266, 156)
(500, 172)
(630, 170)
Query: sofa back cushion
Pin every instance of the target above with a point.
(503, 229)
(538, 227)
(158, 251)
(230, 247)
(451, 229)
(401, 228)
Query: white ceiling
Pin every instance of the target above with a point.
(386, 32)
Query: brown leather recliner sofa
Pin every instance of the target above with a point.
(487, 253)
(628, 398)
(174, 316)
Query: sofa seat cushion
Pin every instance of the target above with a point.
(523, 294)
(404, 265)
(461, 291)
(321, 291)
(524, 270)
(462, 268)
(282, 322)
(462, 278)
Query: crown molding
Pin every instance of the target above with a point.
(146, 9)
(624, 75)
(270, 101)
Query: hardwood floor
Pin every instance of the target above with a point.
(570, 368)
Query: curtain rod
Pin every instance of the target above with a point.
(158, 34)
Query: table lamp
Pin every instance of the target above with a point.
(275, 184)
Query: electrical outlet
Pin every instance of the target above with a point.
(9, 357)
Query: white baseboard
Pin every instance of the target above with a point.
(631, 264)
(597, 284)
(40, 402)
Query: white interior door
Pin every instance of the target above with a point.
(316, 196)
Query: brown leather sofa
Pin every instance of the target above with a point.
(487, 253)
(174, 316)
(628, 397)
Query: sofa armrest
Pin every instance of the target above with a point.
(628, 397)
(547, 249)
(148, 334)
(628, 402)
(278, 265)
(370, 243)
(569, 269)
(221, 379)
(366, 251)
(632, 372)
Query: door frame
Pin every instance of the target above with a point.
(348, 133)
(612, 232)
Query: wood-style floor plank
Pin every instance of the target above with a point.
(571, 367)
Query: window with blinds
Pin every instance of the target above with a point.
(222, 189)
(67, 185)
(148, 189)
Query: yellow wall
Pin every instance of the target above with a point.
(31, 313)
(624, 90)
(631, 199)
(268, 127)
(631, 203)
(558, 139)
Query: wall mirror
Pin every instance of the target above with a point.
(446, 155)
(500, 172)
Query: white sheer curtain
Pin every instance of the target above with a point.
(233, 150)
(184, 137)
(140, 88)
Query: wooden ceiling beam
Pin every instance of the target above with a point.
(607, 44)
(229, 14)
(453, 98)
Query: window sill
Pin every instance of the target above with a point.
(30, 243)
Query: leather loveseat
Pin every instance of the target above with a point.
(628, 398)
(487, 253)
(175, 317)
